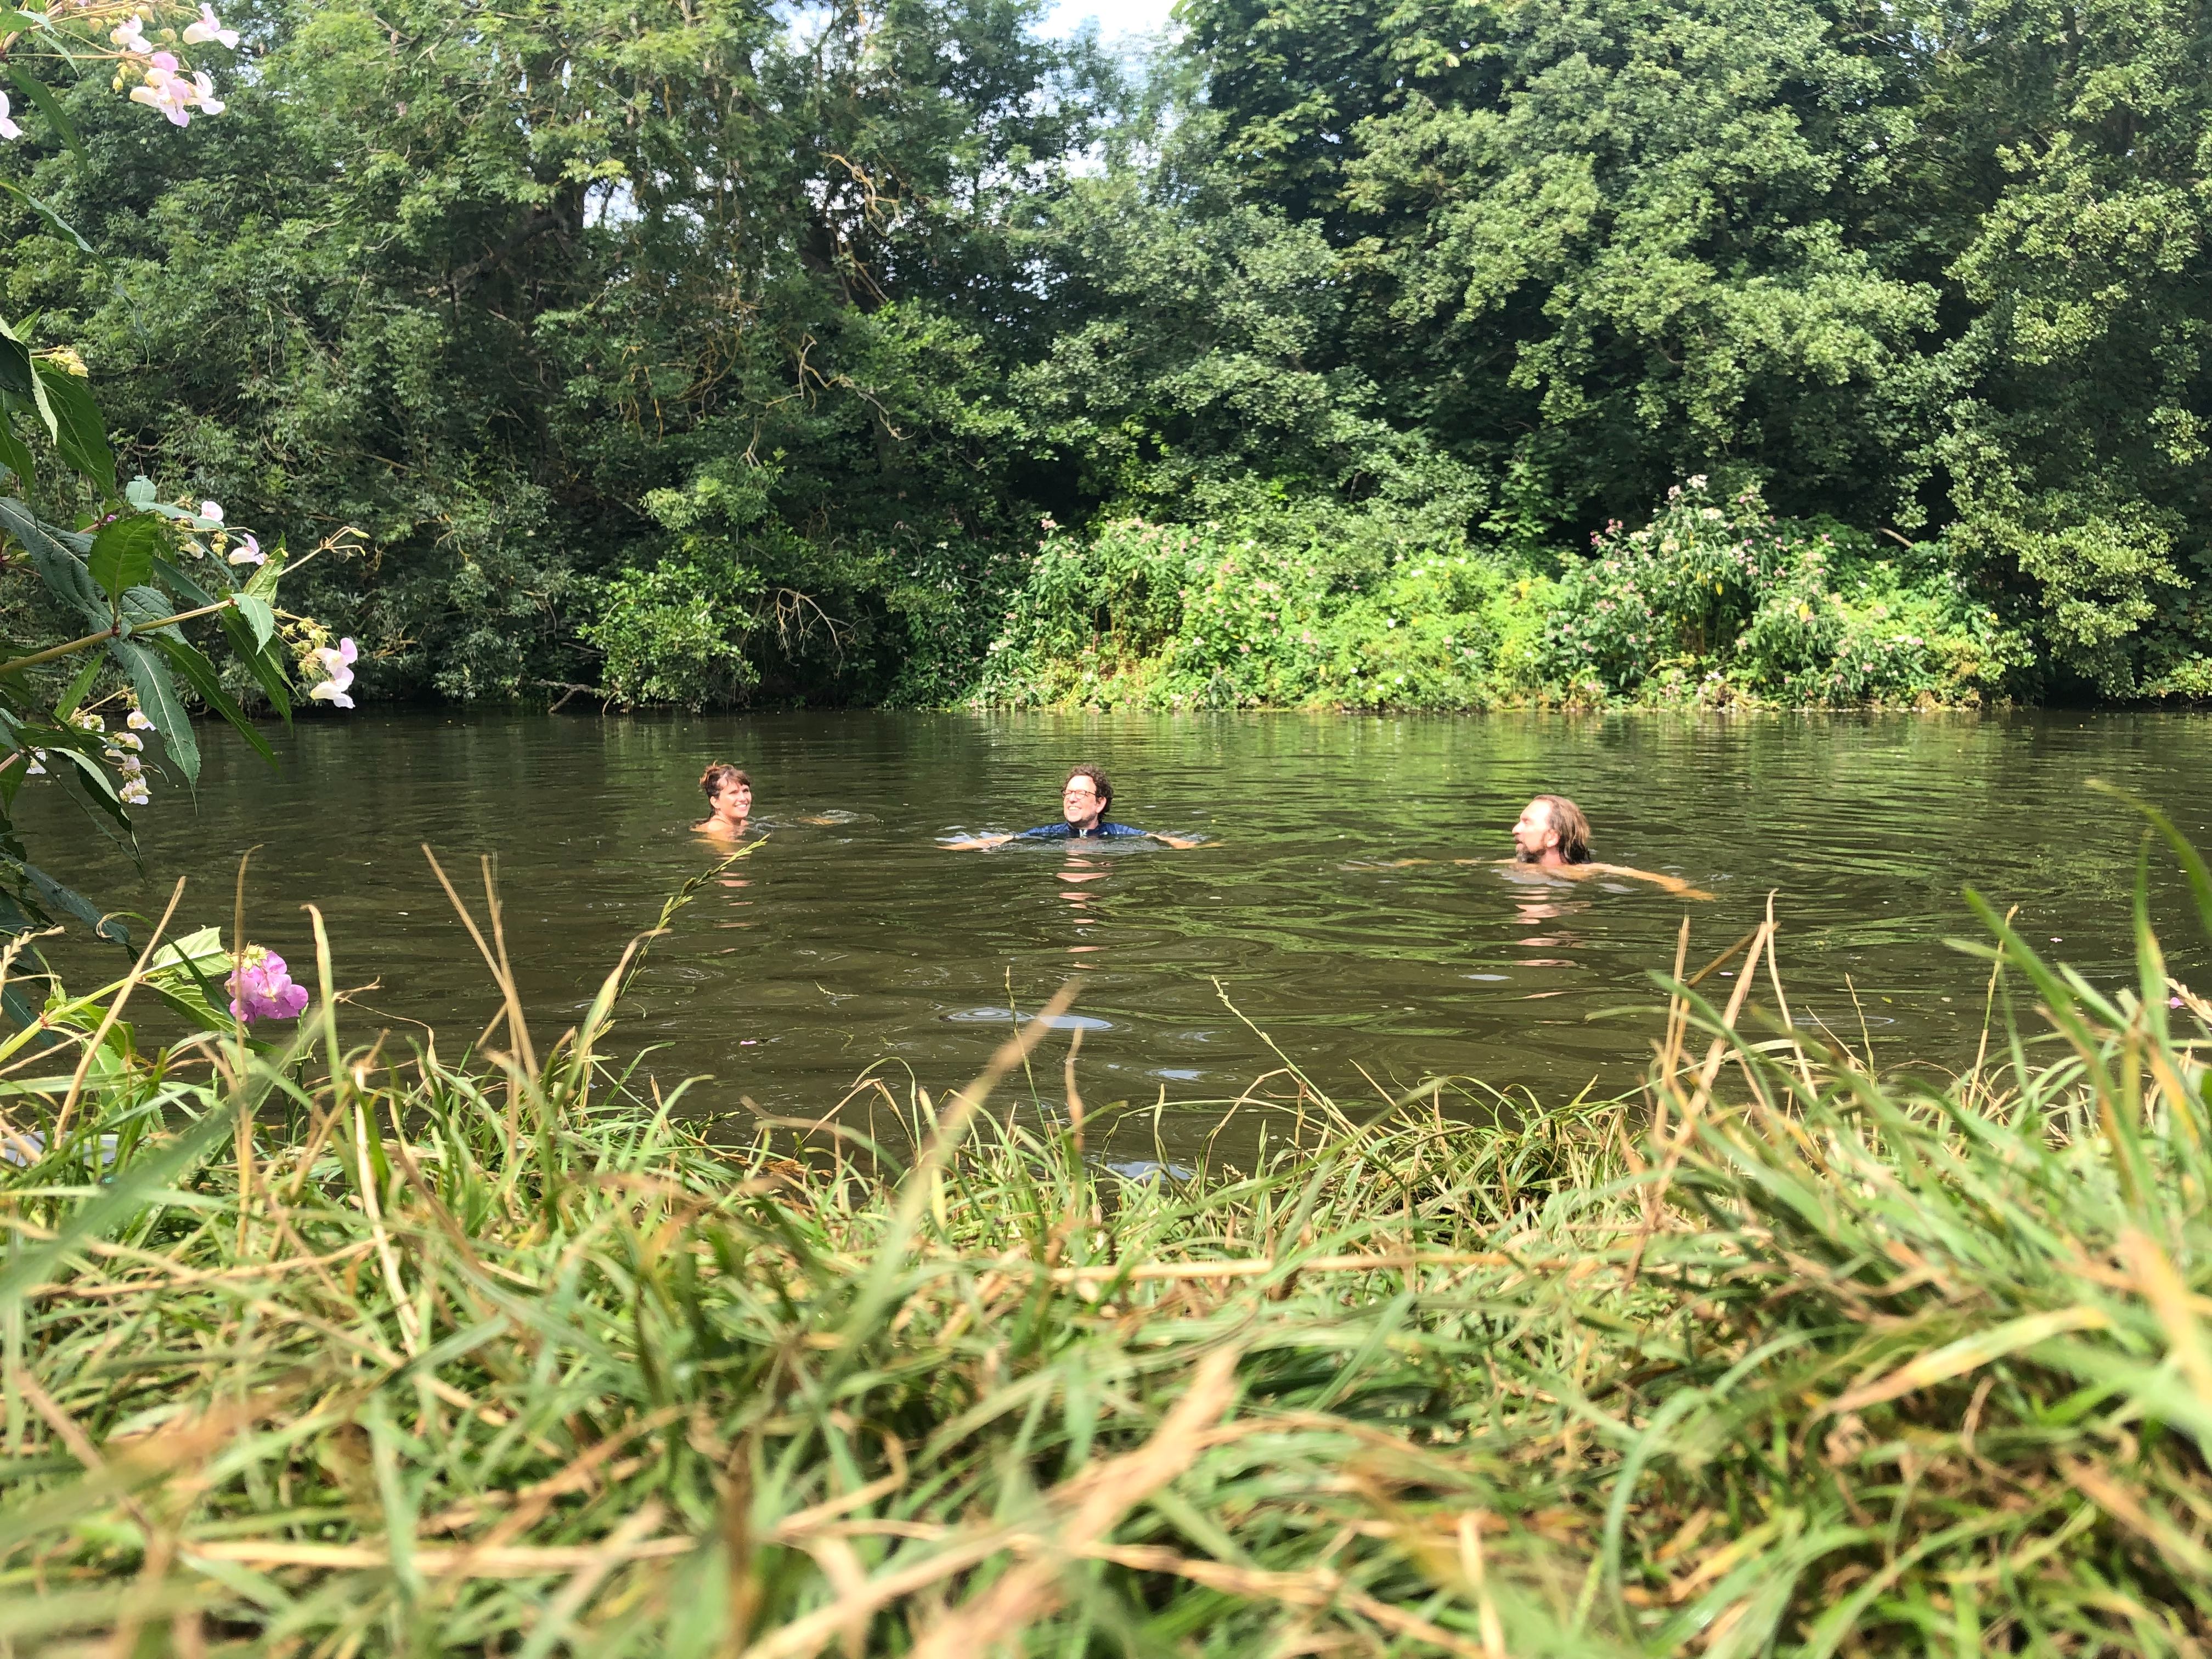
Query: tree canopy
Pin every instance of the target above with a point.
(700, 351)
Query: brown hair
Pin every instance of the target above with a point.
(1567, 818)
(1098, 781)
(716, 777)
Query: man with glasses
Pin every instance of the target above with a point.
(1083, 804)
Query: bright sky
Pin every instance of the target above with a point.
(1116, 17)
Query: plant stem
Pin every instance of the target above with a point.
(54, 652)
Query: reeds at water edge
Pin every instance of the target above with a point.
(328, 1351)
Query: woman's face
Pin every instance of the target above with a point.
(734, 801)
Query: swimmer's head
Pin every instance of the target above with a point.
(1553, 830)
(722, 777)
(1086, 795)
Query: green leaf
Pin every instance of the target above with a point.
(79, 432)
(15, 375)
(122, 554)
(140, 493)
(46, 212)
(199, 674)
(15, 456)
(266, 666)
(159, 702)
(17, 1008)
(259, 655)
(259, 615)
(35, 90)
(184, 587)
(20, 378)
(143, 606)
(262, 584)
(58, 900)
(93, 778)
(58, 556)
(78, 687)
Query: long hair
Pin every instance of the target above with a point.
(719, 776)
(1574, 828)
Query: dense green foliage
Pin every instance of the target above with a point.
(126, 611)
(318, 1350)
(704, 352)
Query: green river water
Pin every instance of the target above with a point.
(861, 941)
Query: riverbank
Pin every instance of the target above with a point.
(493, 1357)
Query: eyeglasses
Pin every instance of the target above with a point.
(1086, 790)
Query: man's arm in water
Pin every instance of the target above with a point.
(1582, 871)
(1674, 884)
(968, 842)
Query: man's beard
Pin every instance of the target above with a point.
(1523, 855)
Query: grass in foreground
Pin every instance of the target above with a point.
(1789, 1358)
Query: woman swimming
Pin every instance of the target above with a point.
(729, 801)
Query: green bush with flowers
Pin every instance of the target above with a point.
(1716, 601)
(127, 612)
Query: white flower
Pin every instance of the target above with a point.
(36, 769)
(138, 722)
(338, 665)
(7, 128)
(208, 27)
(130, 35)
(203, 94)
(212, 512)
(248, 551)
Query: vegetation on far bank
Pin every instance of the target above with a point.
(1710, 602)
(330, 1350)
(686, 352)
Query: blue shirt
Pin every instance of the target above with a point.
(1068, 832)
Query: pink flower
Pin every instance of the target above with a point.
(166, 91)
(7, 128)
(261, 988)
(248, 551)
(338, 665)
(210, 27)
(130, 35)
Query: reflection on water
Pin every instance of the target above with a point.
(1326, 905)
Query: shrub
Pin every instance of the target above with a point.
(675, 633)
(1262, 614)
(1716, 599)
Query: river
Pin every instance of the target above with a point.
(851, 937)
